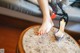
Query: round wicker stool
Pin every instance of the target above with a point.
(30, 42)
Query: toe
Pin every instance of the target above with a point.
(39, 32)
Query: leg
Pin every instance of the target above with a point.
(47, 21)
(36, 2)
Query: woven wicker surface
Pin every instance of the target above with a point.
(47, 43)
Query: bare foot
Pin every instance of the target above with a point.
(46, 26)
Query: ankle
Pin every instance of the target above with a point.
(47, 18)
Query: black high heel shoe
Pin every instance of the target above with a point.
(65, 18)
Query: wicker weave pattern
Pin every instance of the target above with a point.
(47, 44)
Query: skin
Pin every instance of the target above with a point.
(47, 23)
